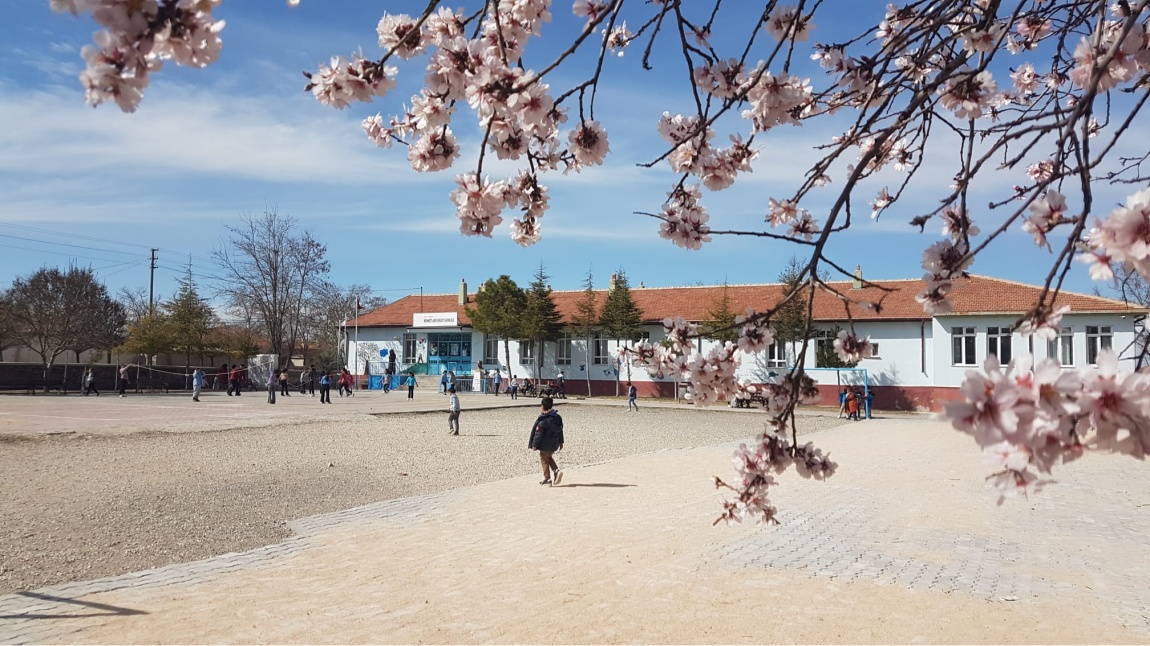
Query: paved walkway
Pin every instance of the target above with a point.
(904, 544)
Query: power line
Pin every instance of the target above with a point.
(65, 244)
(97, 239)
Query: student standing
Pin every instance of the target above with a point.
(513, 387)
(197, 384)
(410, 385)
(273, 383)
(453, 412)
(547, 438)
(632, 393)
(123, 374)
(443, 383)
(325, 388)
(284, 382)
(498, 380)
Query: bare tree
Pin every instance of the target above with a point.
(327, 308)
(53, 311)
(267, 269)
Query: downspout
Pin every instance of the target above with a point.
(922, 344)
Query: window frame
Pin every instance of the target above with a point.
(999, 343)
(1061, 347)
(410, 348)
(775, 355)
(967, 336)
(527, 352)
(563, 350)
(1098, 338)
(600, 350)
(488, 343)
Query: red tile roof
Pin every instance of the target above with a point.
(975, 295)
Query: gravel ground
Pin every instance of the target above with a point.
(81, 507)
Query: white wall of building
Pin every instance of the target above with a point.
(904, 348)
(950, 374)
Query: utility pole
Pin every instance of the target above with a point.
(152, 285)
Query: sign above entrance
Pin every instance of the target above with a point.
(435, 319)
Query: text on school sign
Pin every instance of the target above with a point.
(434, 319)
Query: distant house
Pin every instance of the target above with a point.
(919, 363)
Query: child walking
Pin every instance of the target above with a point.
(547, 438)
(453, 412)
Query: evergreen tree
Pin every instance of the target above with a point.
(541, 321)
(720, 324)
(790, 320)
(586, 321)
(190, 320)
(621, 318)
(499, 307)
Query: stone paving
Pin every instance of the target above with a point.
(904, 544)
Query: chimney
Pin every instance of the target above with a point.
(641, 285)
(857, 284)
(462, 292)
(611, 285)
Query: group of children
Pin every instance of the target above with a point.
(854, 402)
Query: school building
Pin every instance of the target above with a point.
(919, 363)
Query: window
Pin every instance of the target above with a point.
(874, 351)
(825, 355)
(526, 352)
(998, 343)
(491, 350)
(1098, 338)
(448, 346)
(962, 346)
(563, 350)
(1062, 347)
(776, 355)
(600, 356)
(409, 347)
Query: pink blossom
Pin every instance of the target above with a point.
(1045, 213)
(1041, 171)
(346, 81)
(684, 220)
(398, 32)
(588, 143)
(1045, 327)
(1025, 79)
(880, 202)
(437, 150)
(968, 95)
(479, 204)
(786, 22)
(589, 9)
(783, 212)
(618, 39)
(851, 349)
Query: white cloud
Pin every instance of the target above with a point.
(187, 131)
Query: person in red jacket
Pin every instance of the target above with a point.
(234, 380)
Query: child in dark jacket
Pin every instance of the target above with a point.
(547, 438)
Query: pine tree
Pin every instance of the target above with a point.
(541, 320)
(621, 318)
(190, 320)
(586, 321)
(720, 325)
(499, 306)
(790, 320)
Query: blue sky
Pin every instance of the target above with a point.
(100, 188)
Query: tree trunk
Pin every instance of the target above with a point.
(587, 364)
(507, 356)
